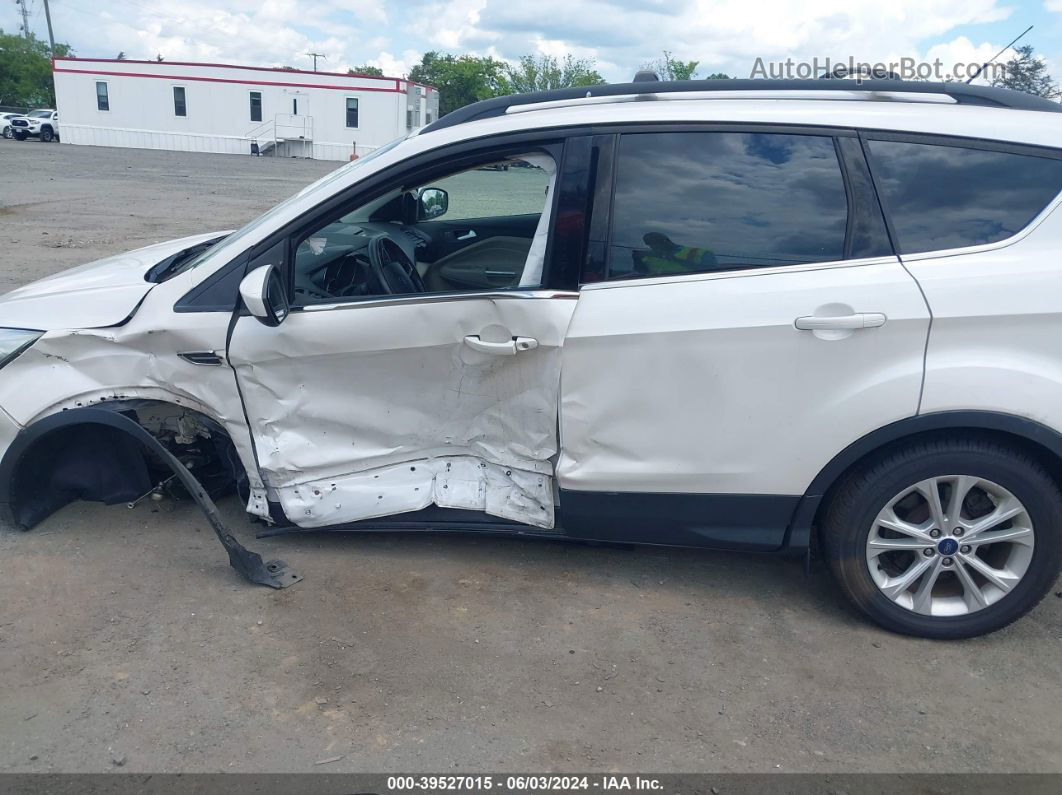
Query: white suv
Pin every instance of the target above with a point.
(746, 314)
(5, 124)
(43, 124)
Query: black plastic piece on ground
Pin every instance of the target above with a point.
(275, 573)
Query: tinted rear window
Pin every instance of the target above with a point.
(700, 201)
(941, 197)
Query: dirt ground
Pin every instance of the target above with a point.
(127, 643)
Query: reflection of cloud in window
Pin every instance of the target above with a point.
(775, 148)
(948, 197)
(751, 199)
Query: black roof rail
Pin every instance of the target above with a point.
(962, 93)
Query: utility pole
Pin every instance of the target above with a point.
(315, 56)
(48, 16)
(25, 17)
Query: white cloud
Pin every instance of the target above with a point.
(724, 35)
(1053, 5)
(730, 34)
(966, 55)
(391, 64)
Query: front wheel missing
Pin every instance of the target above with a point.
(31, 487)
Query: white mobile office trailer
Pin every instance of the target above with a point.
(200, 107)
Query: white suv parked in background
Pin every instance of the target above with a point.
(5, 124)
(747, 314)
(43, 124)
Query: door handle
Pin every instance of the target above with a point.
(508, 348)
(837, 322)
(469, 235)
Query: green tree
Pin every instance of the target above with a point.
(545, 72)
(26, 71)
(366, 70)
(1027, 72)
(461, 79)
(668, 68)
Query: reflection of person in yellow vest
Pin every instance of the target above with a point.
(665, 256)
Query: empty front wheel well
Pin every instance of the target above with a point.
(110, 454)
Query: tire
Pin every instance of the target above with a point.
(1007, 477)
(47, 136)
(9, 133)
(20, 136)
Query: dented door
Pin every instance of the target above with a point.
(381, 407)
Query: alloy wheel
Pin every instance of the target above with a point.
(950, 545)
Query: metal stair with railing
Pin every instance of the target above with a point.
(277, 135)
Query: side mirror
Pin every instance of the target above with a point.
(431, 203)
(262, 291)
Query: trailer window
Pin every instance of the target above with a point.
(352, 112)
(256, 106)
(180, 108)
(103, 102)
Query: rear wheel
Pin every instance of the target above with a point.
(946, 539)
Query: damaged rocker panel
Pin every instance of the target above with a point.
(456, 482)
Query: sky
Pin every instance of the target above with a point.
(621, 35)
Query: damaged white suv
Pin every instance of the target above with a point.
(748, 314)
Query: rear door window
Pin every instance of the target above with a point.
(689, 202)
(940, 197)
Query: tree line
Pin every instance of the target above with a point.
(26, 71)
(463, 79)
(26, 74)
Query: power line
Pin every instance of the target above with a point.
(153, 11)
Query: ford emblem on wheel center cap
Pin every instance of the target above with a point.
(949, 546)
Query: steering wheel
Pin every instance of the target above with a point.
(392, 267)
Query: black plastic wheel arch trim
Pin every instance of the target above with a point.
(273, 573)
(798, 537)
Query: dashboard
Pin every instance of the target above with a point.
(335, 264)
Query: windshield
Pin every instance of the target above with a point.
(41, 114)
(279, 209)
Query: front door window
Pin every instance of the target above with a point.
(480, 228)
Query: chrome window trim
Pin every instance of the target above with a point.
(738, 273)
(438, 298)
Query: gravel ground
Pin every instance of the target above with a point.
(126, 642)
